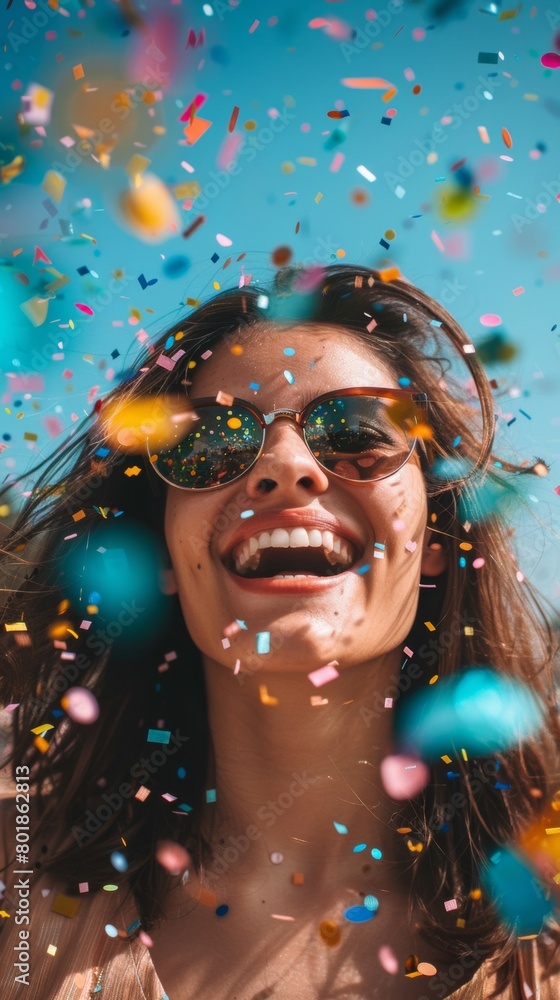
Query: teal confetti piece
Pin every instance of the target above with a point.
(263, 642)
(210, 794)
(246, 513)
(358, 848)
(289, 351)
(289, 377)
(158, 736)
(340, 828)
(241, 623)
(363, 569)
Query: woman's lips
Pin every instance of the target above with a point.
(270, 585)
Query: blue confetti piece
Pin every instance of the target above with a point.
(181, 772)
(289, 377)
(222, 910)
(254, 385)
(210, 794)
(363, 569)
(379, 545)
(383, 243)
(359, 848)
(376, 853)
(501, 786)
(215, 258)
(103, 452)
(339, 827)
(525, 414)
(241, 623)
(158, 736)
(385, 120)
(462, 562)
(263, 642)
(358, 914)
(371, 902)
(118, 861)
(404, 381)
(289, 351)
(457, 441)
(246, 513)
(435, 322)
(169, 343)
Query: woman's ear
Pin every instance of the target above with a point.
(434, 556)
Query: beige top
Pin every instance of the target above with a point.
(73, 958)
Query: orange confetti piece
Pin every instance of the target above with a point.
(389, 94)
(196, 129)
(483, 133)
(41, 744)
(366, 82)
(78, 71)
(266, 698)
(507, 138)
(390, 274)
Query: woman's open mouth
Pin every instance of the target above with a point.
(298, 554)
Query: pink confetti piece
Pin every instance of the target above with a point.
(169, 797)
(388, 960)
(478, 563)
(25, 383)
(337, 162)
(411, 546)
(11, 706)
(226, 643)
(450, 904)
(85, 309)
(224, 241)
(324, 674)
(490, 319)
(53, 426)
(254, 27)
(164, 362)
(551, 60)
(519, 291)
(229, 150)
(437, 241)
(83, 886)
(371, 325)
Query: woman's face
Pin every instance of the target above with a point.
(352, 618)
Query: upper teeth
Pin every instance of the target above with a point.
(248, 553)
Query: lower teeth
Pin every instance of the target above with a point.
(293, 576)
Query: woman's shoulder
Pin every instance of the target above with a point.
(538, 975)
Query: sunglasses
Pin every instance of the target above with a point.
(360, 434)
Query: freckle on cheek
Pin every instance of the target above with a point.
(198, 566)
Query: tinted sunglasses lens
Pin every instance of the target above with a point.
(224, 441)
(361, 437)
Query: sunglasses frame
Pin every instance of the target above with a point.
(300, 418)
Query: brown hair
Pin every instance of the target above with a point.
(82, 489)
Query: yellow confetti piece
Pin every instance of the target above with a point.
(136, 166)
(133, 470)
(78, 71)
(507, 15)
(66, 906)
(552, 830)
(54, 184)
(318, 197)
(190, 189)
(51, 949)
(265, 697)
(446, 759)
(35, 309)
(434, 679)
(39, 730)
(429, 626)
(4, 509)
(307, 161)
(464, 754)
(15, 627)
(12, 169)
(468, 630)
(5, 914)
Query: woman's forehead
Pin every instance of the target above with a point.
(292, 355)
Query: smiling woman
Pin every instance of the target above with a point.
(276, 674)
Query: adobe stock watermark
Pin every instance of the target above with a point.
(549, 192)
(141, 770)
(267, 814)
(29, 27)
(371, 29)
(153, 78)
(460, 112)
(219, 180)
(98, 642)
(412, 671)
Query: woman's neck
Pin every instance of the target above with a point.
(298, 784)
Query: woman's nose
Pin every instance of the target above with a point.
(286, 461)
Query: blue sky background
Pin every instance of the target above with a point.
(296, 184)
